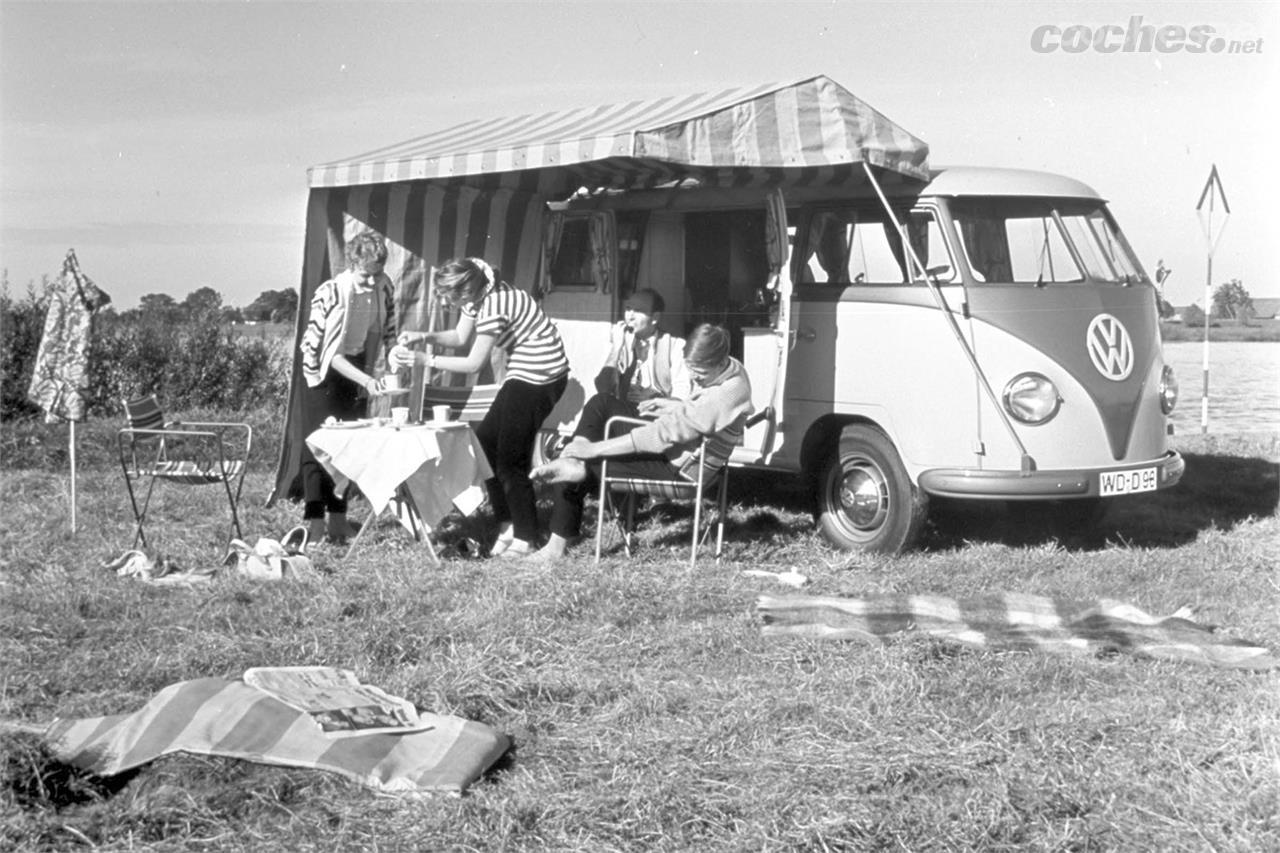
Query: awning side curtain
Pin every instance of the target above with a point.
(424, 225)
(815, 123)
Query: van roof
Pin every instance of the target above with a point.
(953, 181)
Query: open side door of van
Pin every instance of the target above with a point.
(765, 348)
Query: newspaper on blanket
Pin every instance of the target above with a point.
(336, 700)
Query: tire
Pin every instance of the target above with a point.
(866, 501)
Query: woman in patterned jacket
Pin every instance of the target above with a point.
(352, 316)
(495, 314)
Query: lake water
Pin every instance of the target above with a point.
(1244, 386)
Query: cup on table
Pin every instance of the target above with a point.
(399, 415)
(440, 414)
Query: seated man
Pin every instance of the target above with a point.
(644, 361)
(662, 450)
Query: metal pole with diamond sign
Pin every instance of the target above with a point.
(1211, 197)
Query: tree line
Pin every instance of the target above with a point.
(271, 306)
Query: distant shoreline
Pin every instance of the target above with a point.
(1224, 331)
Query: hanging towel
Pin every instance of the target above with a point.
(60, 376)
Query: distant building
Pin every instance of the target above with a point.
(1266, 308)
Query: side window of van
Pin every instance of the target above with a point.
(845, 246)
(572, 264)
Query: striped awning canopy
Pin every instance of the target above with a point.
(813, 127)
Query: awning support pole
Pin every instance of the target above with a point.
(71, 440)
(1027, 463)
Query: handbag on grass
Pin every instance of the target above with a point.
(273, 560)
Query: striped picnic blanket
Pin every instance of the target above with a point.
(1010, 621)
(214, 716)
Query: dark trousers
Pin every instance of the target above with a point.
(507, 434)
(566, 512)
(340, 397)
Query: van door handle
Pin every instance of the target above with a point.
(806, 334)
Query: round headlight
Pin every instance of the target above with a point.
(1168, 390)
(1031, 398)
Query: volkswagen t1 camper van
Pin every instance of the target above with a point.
(986, 335)
(911, 332)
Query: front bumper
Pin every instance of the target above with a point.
(1040, 485)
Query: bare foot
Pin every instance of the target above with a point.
(552, 552)
(562, 470)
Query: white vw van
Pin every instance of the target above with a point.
(1022, 363)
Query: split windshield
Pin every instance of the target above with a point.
(1042, 241)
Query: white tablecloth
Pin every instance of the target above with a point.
(440, 467)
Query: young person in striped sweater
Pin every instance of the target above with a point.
(495, 314)
(661, 450)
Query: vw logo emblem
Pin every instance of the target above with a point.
(1110, 348)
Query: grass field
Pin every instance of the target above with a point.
(648, 711)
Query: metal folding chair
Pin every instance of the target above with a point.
(192, 453)
(712, 471)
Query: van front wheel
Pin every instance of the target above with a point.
(865, 498)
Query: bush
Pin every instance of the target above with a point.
(21, 325)
(199, 364)
(1193, 316)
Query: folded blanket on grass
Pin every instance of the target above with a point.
(213, 716)
(1011, 621)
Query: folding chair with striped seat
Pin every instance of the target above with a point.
(192, 453)
(468, 403)
(712, 456)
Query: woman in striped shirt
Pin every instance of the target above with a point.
(495, 314)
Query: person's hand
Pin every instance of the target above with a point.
(656, 406)
(401, 356)
(373, 387)
(410, 338)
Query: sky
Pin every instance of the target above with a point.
(168, 143)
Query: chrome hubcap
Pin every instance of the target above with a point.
(864, 496)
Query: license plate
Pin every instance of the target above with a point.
(1128, 482)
